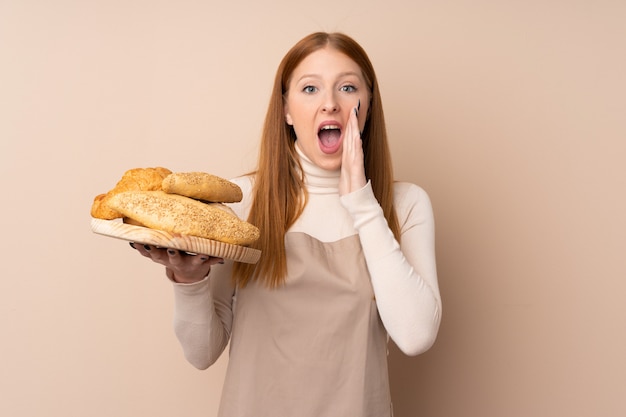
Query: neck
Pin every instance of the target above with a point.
(316, 179)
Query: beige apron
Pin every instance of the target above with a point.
(313, 348)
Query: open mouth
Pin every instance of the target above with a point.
(329, 138)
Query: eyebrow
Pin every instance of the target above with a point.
(341, 74)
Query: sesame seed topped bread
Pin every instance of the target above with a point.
(202, 186)
(178, 214)
(187, 203)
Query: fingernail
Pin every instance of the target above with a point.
(132, 245)
(358, 106)
(147, 247)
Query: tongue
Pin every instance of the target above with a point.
(329, 138)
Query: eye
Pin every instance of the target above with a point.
(309, 89)
(348, 88)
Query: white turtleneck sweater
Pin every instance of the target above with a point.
(403, 276)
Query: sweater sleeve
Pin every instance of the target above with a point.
(203, 316)
(203, 311)
(404, 276)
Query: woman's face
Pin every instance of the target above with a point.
(322, 93)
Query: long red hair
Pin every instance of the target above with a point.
(279, 194)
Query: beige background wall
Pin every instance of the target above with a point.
(509, 113)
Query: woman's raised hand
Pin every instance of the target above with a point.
(352, 162)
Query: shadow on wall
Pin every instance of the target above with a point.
(413, 381)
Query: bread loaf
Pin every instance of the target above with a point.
(178, 214)
(135, 179)
(202, 186)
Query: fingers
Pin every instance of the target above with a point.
(173, 257)
(146, 250)
(352, 159)
(180, 266)
(351, 137)
(177, 257)
(354, 141)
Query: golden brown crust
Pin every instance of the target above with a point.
(178, 214)
(135, 179)
(100, 210)
(202, 186)
(142, 179)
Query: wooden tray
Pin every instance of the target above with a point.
(139, 234)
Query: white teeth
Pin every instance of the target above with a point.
(328, 127)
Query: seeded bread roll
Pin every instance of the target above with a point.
(136, 179)
(202, 186)
(178, 214)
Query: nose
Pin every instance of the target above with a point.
(330, 104)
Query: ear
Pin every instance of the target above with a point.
(288, 119)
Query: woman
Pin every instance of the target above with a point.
(348, 255)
